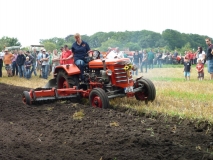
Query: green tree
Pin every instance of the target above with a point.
(59, 42)
(109, 43)
(133, 46)
(27, 48)
(186, 47)
(174, 38)
(7, 42)
(169, 39)
(49, 46)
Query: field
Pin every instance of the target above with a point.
(177, 125)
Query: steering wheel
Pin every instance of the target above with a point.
(94, 54)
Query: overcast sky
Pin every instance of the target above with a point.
(31, 20)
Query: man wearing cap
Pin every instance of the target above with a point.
(8, 62)
(1, 62)
(45, 64)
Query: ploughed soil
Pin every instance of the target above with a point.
(50, 131)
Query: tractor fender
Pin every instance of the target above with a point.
(70, 69)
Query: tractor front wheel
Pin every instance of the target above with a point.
(148, 91)
(98, 98)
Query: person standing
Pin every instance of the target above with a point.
(201, 55)
(175, 54)
(14, 64)
(31, 59)
(20, 63)
(209, 57)
(50, 62)
(145, 60)
(1, 62)
(55, 60)
(28, 65)
(150, 59)
(45, 64)
(159, 59)
(136, 59)
(191, 55)
(194, 58)
(200, 69)
(39, 56)
(34, 55)
(187, 55)
(187, 68)
(125, 55)
(141, 59)
(8, 62)
(80, 49)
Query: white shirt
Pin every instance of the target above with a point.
(1, 55)
(113, 55)
(44, 56)
(201, 56)
(55, 63)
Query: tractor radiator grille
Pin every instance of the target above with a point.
(121, 75)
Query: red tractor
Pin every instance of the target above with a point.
(104, 79)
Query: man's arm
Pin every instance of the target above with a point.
(71, 56)
(32, 58)
(45, 59)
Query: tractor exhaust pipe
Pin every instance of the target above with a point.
(104, 64)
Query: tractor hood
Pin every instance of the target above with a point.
(98, 63)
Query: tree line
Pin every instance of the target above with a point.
(169, 40)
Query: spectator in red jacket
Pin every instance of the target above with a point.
(200, 70)
(186, 56)
(191, 55)
(67, 56)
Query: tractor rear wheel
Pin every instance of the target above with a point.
(66, 81)
(98, 98)
(148, 92)
(26, 98)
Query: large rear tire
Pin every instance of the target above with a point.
(147, 93)
(26, 98)
(98, 98)
(66, 81)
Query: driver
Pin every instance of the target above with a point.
(80, 49)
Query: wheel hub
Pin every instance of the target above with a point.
(97, 102)
(65, 84)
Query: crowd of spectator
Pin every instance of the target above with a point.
(25, 63)
(147, 60)
(42, 63)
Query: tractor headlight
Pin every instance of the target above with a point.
(109, 72)
(134, 67)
